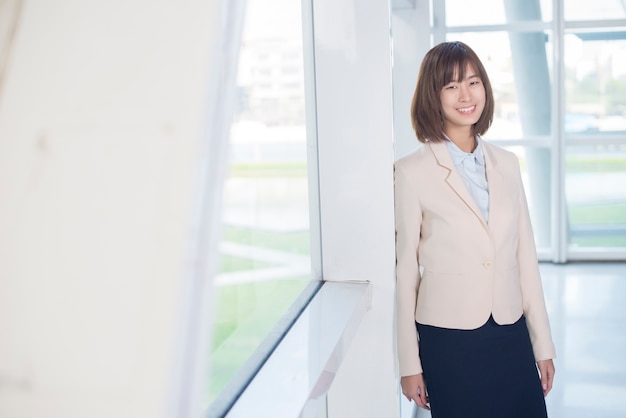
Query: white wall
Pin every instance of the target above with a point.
(355, 142)
(101, 120)
(362, 108)
(410, 28)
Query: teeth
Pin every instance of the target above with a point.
(466, 109)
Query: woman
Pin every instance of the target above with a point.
(472, 322)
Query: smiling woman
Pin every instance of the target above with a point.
(468, 287)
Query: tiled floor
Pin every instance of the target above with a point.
(587, 307)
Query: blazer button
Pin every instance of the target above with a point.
(487, 265)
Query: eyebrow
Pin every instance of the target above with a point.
(467, 77)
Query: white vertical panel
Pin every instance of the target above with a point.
(101, 125)
(559, 232)
(355, 125)
(410, 30)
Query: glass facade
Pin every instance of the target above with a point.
(465, 13)
(581, 10)
(595, 82)
(265, 246)
(596, 196)
(570, 135)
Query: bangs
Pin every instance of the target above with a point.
(453, 64)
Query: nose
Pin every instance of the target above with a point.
(464, 93)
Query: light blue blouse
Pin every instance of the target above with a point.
(471, 168)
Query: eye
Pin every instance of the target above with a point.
(474, 82)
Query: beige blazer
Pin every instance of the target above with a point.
(453, 269)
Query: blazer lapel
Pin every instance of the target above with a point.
(454, 180)
(496, 184)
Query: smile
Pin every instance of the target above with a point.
(467, 110)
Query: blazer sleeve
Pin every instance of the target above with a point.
(530, 278)
(408, 219)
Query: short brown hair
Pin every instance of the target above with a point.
(437, 70)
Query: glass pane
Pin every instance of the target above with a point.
(535, 165)
(496, 12)
(595, 82)
(265, 261)
(520, 70)
(596, 196)
(594, 10)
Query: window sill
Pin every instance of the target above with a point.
(294, 380)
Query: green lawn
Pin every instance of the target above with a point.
(296, 242)
(268, 169)
(595, 163)
(610, 242)
(230, 263)
(601, 215)
(245, 314)
(575, 163)
(610, 213)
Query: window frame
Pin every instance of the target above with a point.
(558, 142)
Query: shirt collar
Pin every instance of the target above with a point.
(458, 155)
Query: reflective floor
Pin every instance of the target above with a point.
(587, 307)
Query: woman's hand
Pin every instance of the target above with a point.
(414, 388)
(546, 371)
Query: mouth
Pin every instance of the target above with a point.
(467, 110)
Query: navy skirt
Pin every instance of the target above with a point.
(488, 372)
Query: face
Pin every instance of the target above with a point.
(463, 101)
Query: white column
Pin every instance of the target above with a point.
(410, 29)
(356, 155)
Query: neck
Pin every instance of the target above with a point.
(464, 140)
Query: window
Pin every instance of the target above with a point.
(595, 129)
(464, 13)
(582, 10)
(265, 246)
(559, 79)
